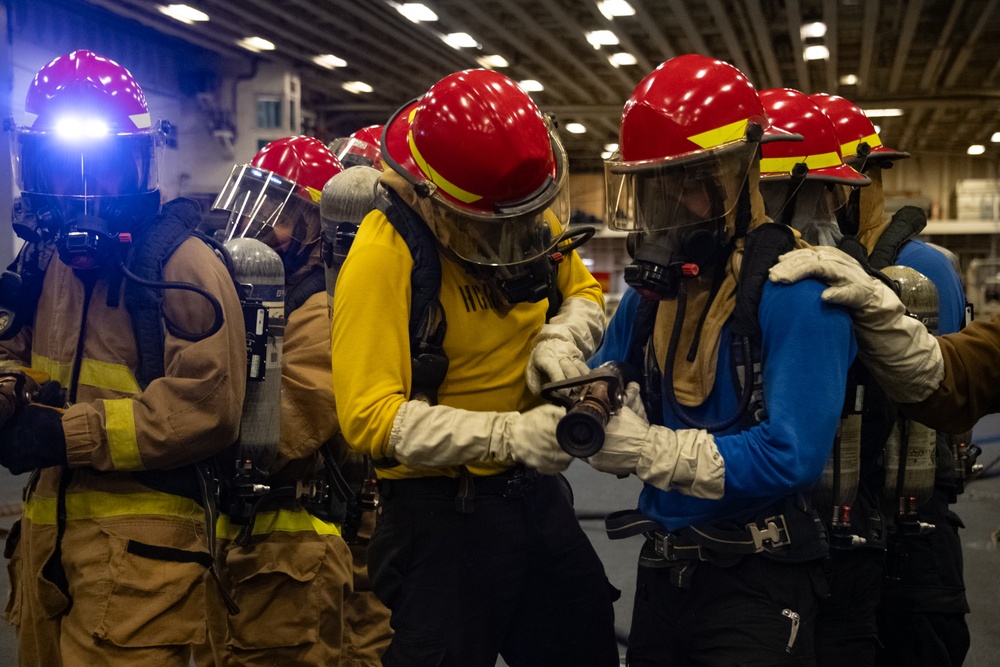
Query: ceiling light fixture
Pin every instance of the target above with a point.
(621, 59)
(606, 155)
(356, 87)
(492, 62)
(575, 128)
(415, 11)
(460, 40)
(610, 148)
(329, 61)
(599, 38)
(816, 52)
(613, 8)
(976, 149)
(816, 29)
(849, 80)
(256, 44)
(995, 138)
(531, 86)
(883, 113)
(183, 13)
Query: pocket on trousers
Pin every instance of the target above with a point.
(275, 586)
(415, 651)
(155, 597)
(12, 610)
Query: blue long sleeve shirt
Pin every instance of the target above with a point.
(932, 263)
(806, 349)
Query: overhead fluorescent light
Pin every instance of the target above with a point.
(816, 29)
(329, 61)
(183, 13)
(599, 38)
(976, 149)
(610, 148)
(256, 44)
(995, 138)
(460, 40)
(613, 8)
(416, 12)
(621, 59)
(849, 80)
(883, 113)
(531, 86)
(606, 155)
(816, 52)
(575, 128)
(356, 87)
(492, 62)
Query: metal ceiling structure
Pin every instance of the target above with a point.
(937, 61)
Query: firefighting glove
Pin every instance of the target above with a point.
(686, 460)
(426, 436)
(904, 358)
(565, 342)
(34, 438)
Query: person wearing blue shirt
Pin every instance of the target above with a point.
(739, 400)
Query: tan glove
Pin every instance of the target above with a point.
(904, 358)
(565, 342)
(686, 460)
(426, 436)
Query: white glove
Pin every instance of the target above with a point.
(685, 460)
(426, 436)
(565, 342)
(904, 358)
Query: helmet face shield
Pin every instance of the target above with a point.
(267, 207)
(657, 195)
(808, 206)
(354, 152)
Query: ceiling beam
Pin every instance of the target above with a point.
(831, 19)
(626, 42)
(968, 45)
(762, 33)
(690, 29)
(940, 52)
(794, 15)
(667, 50)
(903, 43)
(869, 22)
(733, 45)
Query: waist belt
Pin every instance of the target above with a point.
(514, 483)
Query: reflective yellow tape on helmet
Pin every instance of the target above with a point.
(850, 149)
(100, 505)
(93, 373)
(721, 135)
(784, 165)
(313, 193)
(120, 427)
(438, 180)
(286, 521)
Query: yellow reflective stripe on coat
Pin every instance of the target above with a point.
(93, 373)
(99, 505)
(721, 135)
(120, 427)
(784, 165)
(287, 521)
(850, 149)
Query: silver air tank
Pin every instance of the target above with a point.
(910, 449)
(346, 199)
(261, 274)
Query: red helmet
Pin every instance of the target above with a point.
(819, 150)
(90, 148)
(361, 148)
(490, 164)
(276, 197)
(854, 131)
(691, 121)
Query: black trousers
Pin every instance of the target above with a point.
(846, 631)
(517, 577)
(756, 612)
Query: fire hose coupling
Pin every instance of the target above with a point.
(590, 401)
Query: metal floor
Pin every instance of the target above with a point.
(597, 494)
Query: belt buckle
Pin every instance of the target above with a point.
(665, 544)
(773, 536)
(519, 484)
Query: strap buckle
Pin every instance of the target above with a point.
(665, 545)
(773, 536)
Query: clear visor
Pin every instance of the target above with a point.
(815, 207)
(514, 232)
(267, 207)
(86, 167)
(353, 152)
(655, 195)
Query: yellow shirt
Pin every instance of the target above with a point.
(487, 351)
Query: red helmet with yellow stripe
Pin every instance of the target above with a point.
(477, 149)
(360, 149)
(689, 132)
(276, 197)
(857, 136)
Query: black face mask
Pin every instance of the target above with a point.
(87, 243)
